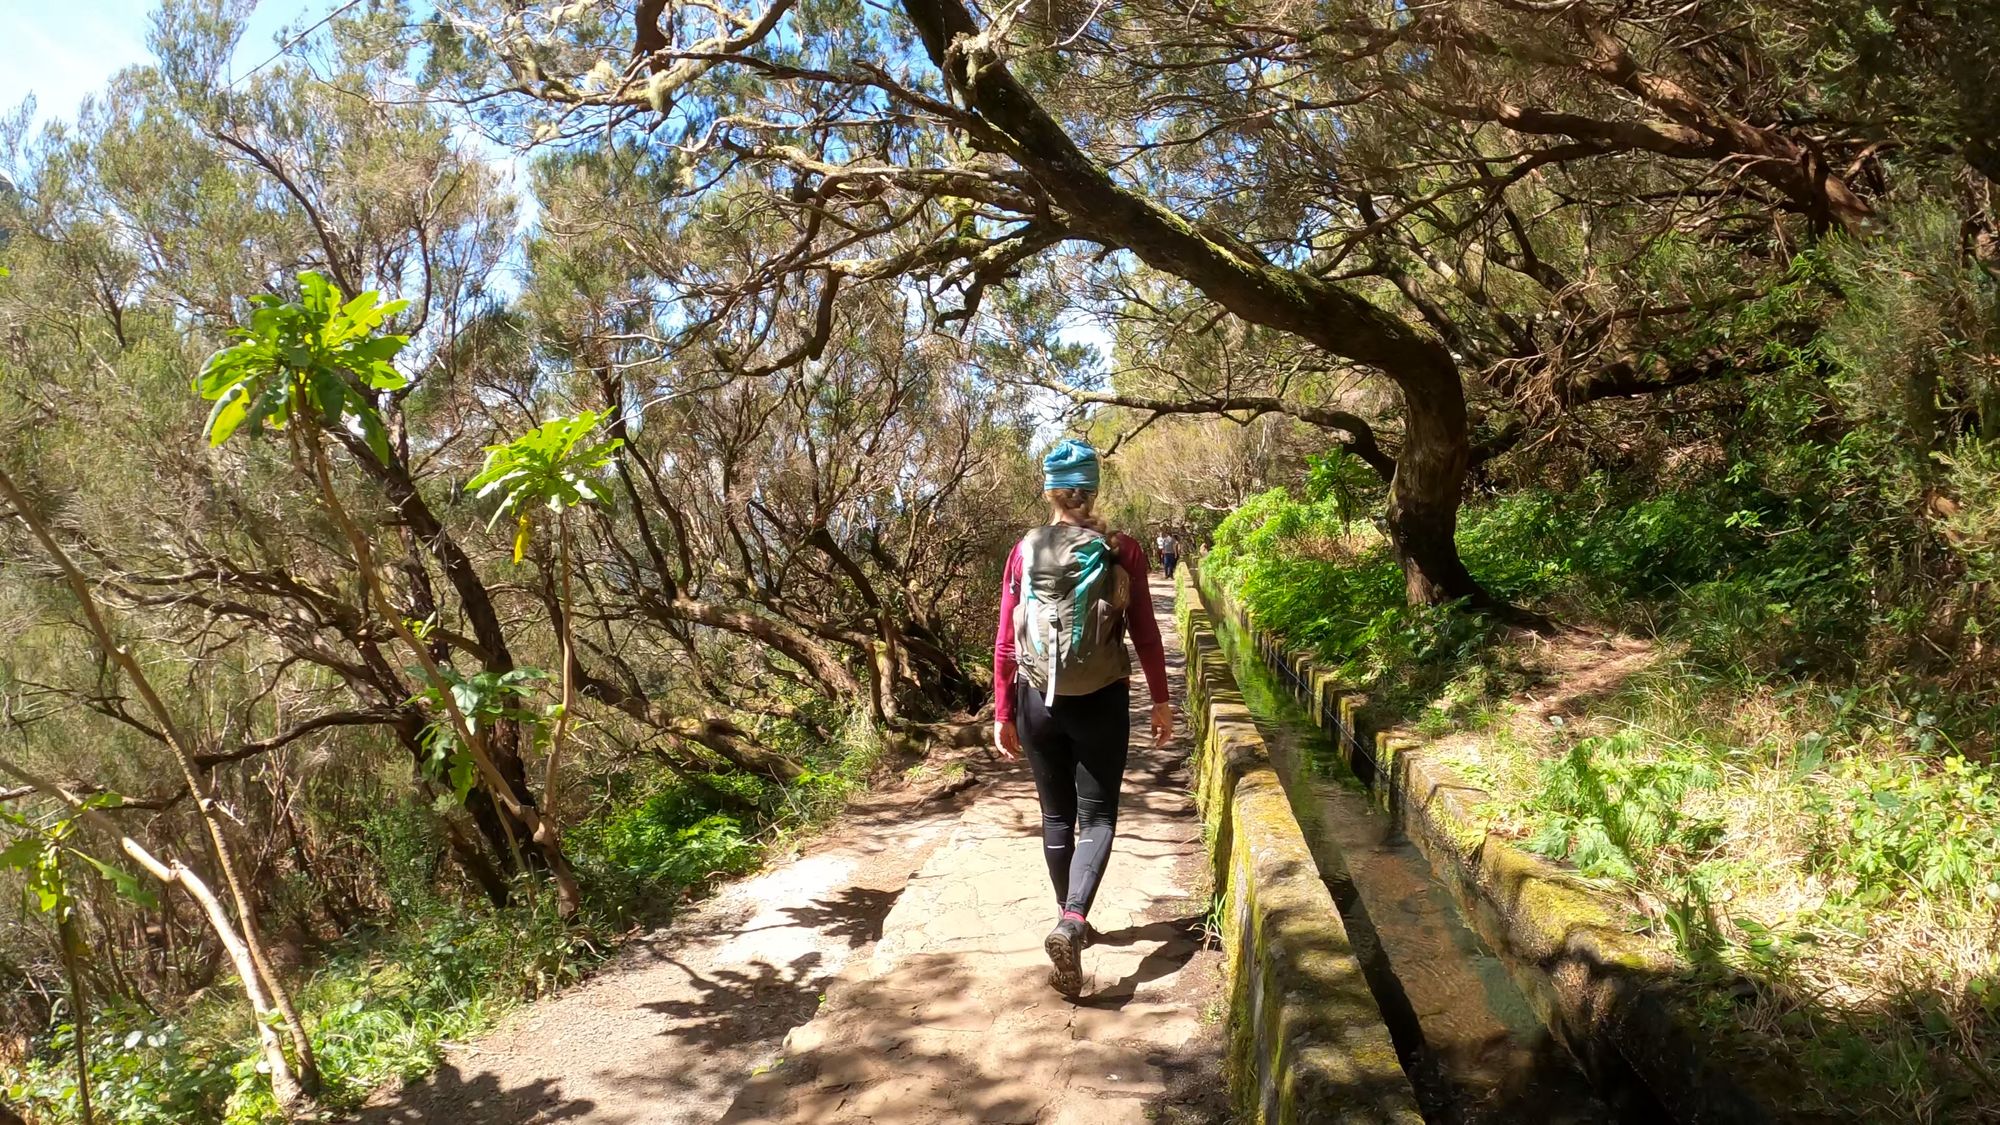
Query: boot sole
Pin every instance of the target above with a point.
(1067, 975)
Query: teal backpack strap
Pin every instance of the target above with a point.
(1095, 557)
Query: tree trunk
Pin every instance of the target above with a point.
(1424, 498)
(495, 754)
(1430, 474)
(506, 832)
(79, 1018)
(482, 867)
(475, 865)
(564, 628)
(291, 1093)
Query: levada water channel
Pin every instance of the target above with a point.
(1473, 1047)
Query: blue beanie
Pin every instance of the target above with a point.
(1072, 464)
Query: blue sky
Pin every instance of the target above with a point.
(60, 52)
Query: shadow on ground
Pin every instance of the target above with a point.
(671, 1032)
(941, 1041)
(1180, 939)
(478, 1098)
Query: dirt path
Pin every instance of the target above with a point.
(922, 928)
(951, 1019)
(670, 1030)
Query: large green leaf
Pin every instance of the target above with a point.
(24, 852)
(545, 466)
(363, 309)
(298, 356)
(331, 394)
(373, 432)
(229, 412)
(124, 882)
(317, 293)
(378, 348)
(462, 774)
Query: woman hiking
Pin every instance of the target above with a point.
(1062, 685)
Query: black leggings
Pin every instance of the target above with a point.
(1077, 749)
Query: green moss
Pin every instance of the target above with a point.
(1302, 1024)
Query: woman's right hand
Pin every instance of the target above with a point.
(1006, 741)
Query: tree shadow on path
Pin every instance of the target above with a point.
(760, 999)
(447, 1095)
(854, 915)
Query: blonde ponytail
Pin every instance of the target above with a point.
(1079, 505)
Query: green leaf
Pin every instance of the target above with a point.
(318, 294)
(332, 396)
(124, 882)
(229, 412)
(372, 431)
(379, 349)
(382, 377)
(223, 370)
(272, 404)
(462, 774)
(361, 307)
(269, 320)
(545, 465)
(23, 853)
(291, 356)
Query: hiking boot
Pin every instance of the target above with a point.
(1064, 945)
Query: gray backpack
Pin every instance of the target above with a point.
(1069, 623)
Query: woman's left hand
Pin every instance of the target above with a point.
(1163, 723)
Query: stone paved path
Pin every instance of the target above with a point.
(951, 1018)
(914, 932)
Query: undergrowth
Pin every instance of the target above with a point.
(437, 967)
(1798, 781)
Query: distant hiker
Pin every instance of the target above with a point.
(1170, 553)
(1062, 685)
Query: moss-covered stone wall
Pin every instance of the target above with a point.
(1307, 1043)
(1609, 993)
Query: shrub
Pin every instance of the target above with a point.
(1887, 828)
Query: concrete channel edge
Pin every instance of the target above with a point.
(1307, 1043)
(1599, 987)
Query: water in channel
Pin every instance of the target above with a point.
(1474, 1049)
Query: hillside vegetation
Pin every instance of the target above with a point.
(1770, 706)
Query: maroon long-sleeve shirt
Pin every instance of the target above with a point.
(1141, 626)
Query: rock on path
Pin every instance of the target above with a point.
(922, 928)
